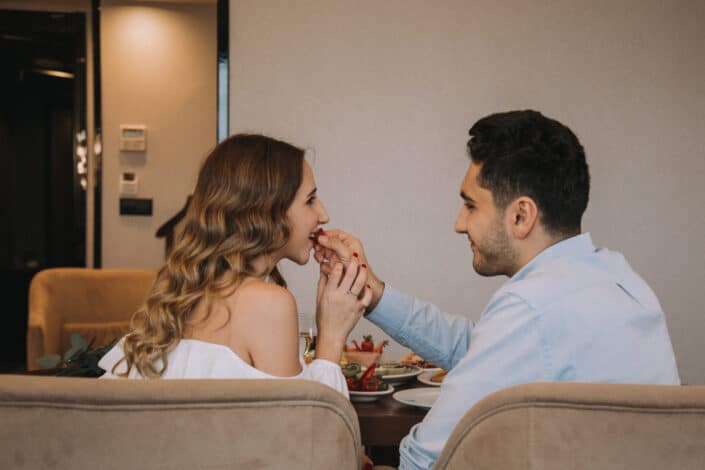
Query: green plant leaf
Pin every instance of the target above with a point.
(81, 360)
(72, 352)
(49, 362)
(78, 341)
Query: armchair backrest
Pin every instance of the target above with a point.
(581, 426)
(97, 303)
(56, 422)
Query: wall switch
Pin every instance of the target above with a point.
(134, 206)
(129, 184)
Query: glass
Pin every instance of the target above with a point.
(307, 336)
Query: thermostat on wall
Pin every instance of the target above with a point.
(133, 138)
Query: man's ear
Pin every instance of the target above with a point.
(523, 215)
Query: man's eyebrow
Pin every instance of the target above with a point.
(466, 197)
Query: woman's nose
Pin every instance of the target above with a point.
(323, 215)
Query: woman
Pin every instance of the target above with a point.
(219, 307)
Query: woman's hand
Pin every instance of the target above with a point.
(336, 246)
(341, 298)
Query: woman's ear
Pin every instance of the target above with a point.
(523, 214)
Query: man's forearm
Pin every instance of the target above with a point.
(436, 336)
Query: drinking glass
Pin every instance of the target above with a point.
(307, 336)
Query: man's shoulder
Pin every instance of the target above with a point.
(564, 277)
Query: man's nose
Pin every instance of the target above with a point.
(460, 225)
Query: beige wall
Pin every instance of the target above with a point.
(386, 91)
(158, 69)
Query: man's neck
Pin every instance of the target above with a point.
(537, 244)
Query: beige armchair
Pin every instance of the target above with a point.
(97, 303)
(580, 426)
(68, 423)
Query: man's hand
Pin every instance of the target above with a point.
(336, 246)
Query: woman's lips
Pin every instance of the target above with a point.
(314, 236)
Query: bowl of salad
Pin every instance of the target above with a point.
(365, 385)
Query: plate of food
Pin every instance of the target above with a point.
(365, 386)
(432, 377)
(416, 360)
(363, 397)
(423, 397)
(395, 373)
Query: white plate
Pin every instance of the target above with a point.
(396, 379)
(425, 378)
(362, 397)
(423, 397)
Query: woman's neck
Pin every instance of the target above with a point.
(263, 265)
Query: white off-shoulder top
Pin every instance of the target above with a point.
(195, 359)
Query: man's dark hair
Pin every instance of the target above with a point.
(524, 153)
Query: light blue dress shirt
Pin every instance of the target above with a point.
(572, 314)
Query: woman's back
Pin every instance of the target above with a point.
(257, 322)
(244, 335)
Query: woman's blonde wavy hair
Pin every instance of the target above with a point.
(237, 213)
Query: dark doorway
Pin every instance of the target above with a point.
(43, 177)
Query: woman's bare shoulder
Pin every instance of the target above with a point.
(266, 326)
(264, 295)
(259, 297)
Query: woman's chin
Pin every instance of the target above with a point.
(304, 259)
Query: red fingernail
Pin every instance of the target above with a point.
(355, 254)
(363, 265)
(368, 286)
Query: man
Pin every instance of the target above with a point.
(569, 312)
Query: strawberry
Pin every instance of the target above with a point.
(369, 382)
(372, 384)
(367, 344)
(370, 372)
(353, 384)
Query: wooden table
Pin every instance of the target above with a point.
(383, 423)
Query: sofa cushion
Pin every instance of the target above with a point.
(51, 422)
(581, 426)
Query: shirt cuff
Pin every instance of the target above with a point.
(325, 363)
(327, 373)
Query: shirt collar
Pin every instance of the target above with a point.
(578, 245)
